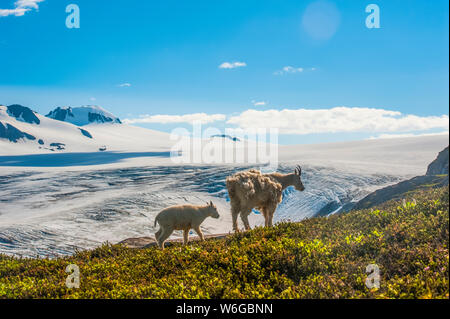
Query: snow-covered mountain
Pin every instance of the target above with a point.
(90, 129)
(23, 131)
(83, 115)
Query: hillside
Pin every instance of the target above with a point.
(400, 190)
(436, 176)
(315, 258)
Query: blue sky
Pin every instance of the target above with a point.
(138, 58)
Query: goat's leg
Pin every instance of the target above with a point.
(199, 232)
(244, 217)
(270, 214)
(186, 236)
(157, 234)
(234, 214)
(266, 216)
(163, 237)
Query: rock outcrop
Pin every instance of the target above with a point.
(22, 113)
(13, 134)
(83, 115)
(440, 164)
(85, 133)
(60, 114)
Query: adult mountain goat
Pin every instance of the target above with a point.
(251, 189)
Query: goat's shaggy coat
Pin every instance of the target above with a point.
(183, 217)
(251, 189)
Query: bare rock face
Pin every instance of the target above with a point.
(440, 165)
(23, 113)
(83, 115)
(85, 133)
(13, 134)
(60, 114)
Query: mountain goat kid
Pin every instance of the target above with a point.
(251, 189)
(183, 217)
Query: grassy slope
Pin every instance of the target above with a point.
(317, 258)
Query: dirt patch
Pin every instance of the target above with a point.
(145, 242)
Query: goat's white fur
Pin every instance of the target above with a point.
(183, 217)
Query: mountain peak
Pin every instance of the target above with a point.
(83, 115)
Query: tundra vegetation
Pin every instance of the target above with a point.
(322, 257)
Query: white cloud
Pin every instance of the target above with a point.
(291, 69)
(338, 119)
(232, 65)
(20, 8)
(93, 99)
(203, 118)
(256, 103)
(388, 136)
(123, 85)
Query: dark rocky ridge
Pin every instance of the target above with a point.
(99, 118)
(59, 146)
(23, 113)
(13, 134)
(60, 114)
(85, 133)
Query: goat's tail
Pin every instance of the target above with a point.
(156, 220)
